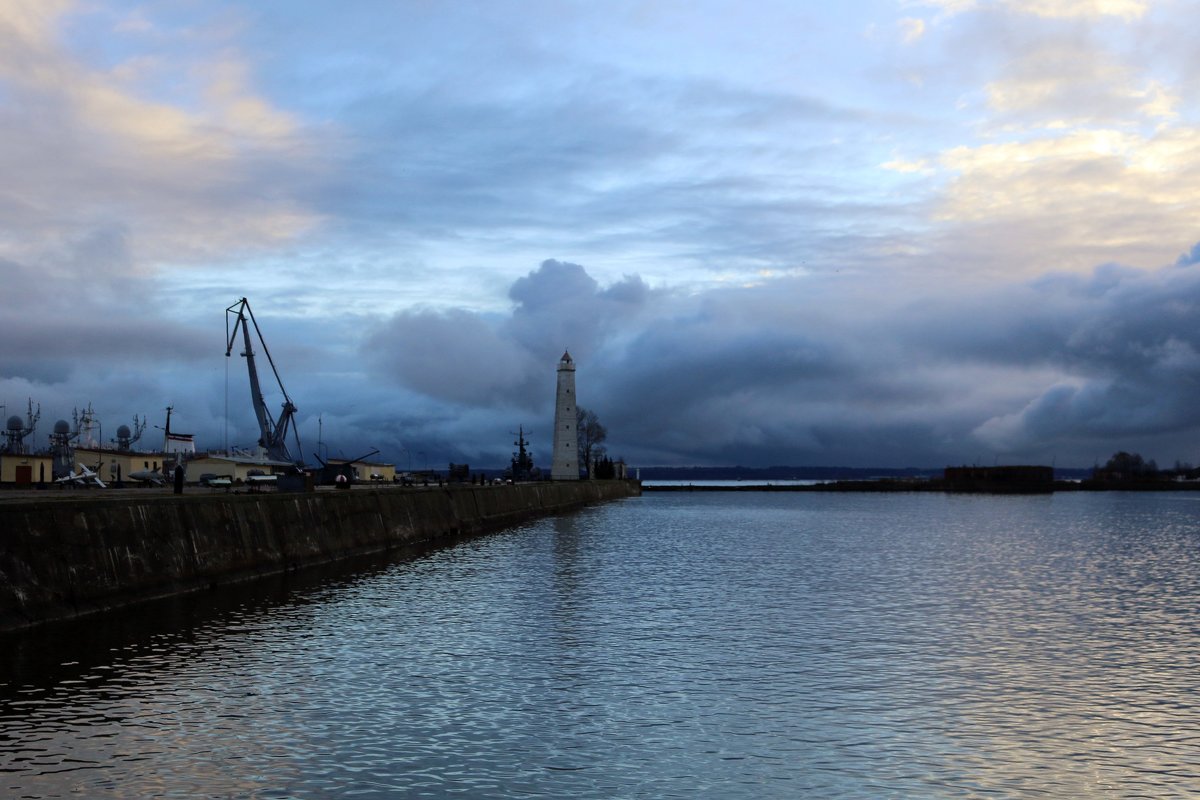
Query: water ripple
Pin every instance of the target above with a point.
(717, 646)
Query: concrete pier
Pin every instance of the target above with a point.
(67, 554)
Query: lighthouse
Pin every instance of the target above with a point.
(566, 438)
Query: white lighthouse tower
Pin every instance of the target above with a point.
(566, 438)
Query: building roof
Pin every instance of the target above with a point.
(249, 460)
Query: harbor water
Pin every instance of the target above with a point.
(709, 644)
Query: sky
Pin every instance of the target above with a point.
(881, 233)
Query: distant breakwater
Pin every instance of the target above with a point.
(937, 485)
(830, 486)
(63, 556)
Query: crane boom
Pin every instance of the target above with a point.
(272, 434)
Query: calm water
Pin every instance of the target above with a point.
(699, 645)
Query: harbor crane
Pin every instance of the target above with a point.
(272, 434)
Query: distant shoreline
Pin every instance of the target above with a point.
(884, 485)
(890, 485)
(785, 473)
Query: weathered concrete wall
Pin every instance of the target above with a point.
(62, 557)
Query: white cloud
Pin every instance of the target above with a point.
(31, 21)
(1080, 9)
(1077, 83)
(1076, 199)
(1160, 101)
(948, 7)
(87, 148)
(911, 29)
(1081, 141)
(921, 166)
(1048, 9)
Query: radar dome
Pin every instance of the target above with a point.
(62, 426)
(15, 424)
(123, 432)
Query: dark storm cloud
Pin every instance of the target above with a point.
(53, 317)
(765, 374)
(1066, 367)
(1130, 354)
(455, 356)
(560, 306)
(479, 361)
(81, 326)
(802, 370)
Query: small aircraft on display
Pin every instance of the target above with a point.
(152, 476)
(85, 477)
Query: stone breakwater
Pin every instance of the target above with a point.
(65, 556)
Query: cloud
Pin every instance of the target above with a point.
(1066, 82)
(1081, 140)
(756, 261)
(455, 356)
(911, 29)
(912, 167)
(1066, 366)
(812, 369)
(1080, 9)
(481, 361)
(1077, 198)
(1049, 9)
(561, 306)
(88, 147)
(1122, 360)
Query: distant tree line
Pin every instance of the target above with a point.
(1125, 466)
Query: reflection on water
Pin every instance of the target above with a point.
(719, 645)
